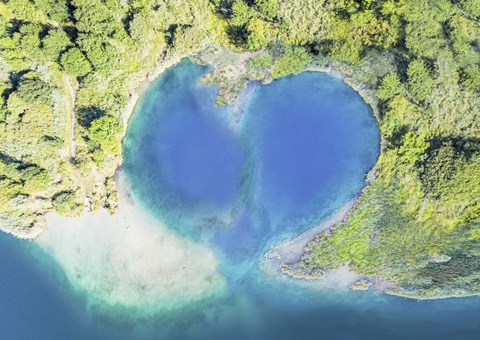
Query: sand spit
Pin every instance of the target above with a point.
(290, 251)
(130, 259)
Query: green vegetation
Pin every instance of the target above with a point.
(417, 223)
(68, 69)
(293, 61)
(75, 63)
(420, 81)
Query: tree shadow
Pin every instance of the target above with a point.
(86, 115)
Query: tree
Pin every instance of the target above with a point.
(462, 36)
(420, 81)
(55, 9)
(437, 168)
(368, 30)
(35, 180)
(75, 63)
(471, 6)
(293, 61)
(267, 8)
(104, 131)
(32, 94)
(413, 146)
(257, 34)
(424, 37)
(471, 78)
(25, 10)
(100, 52)
(9, 190)
(96, 18)
(30, 41)
(424, 32)
(390, 87)
(141, 26)
(55, 42)
(241, 13)
(65, 203)
(347, 51)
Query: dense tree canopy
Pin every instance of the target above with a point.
(420, 81)
(75, 62)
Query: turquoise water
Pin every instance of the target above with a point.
(299, 152)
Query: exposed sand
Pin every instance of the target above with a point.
(290, 251)
(129, 258)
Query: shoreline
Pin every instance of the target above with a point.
(137, 92)
(363, 91)
(130, 259)
(284, 252)
(291, 250)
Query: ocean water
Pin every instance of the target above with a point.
(300, 151)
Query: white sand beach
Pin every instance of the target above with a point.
(129, 258)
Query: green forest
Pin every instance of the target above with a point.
(70, 69)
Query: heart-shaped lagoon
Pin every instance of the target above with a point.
(300, 151)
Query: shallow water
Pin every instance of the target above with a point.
(300, 151)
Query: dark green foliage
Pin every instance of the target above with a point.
(54, 43)
(104, 128)
(95, 17)
(65, 203)
(267, 8)
(462, 36)
(390, 87)
(257, 35)
(34, 92)
(75, 63)
(472, 7)
(104, 132)
(420, 81)
(460, 266)
(35, 179)
(424, 34)
(471, 78)
(439, 166)
(101, 53)
(445, 159)
(9, 190)
(24, 10)
(241, 13)
(262, 61)
(30, 40)
(293, 61)
(86, 115)
(55, 9)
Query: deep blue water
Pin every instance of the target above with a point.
(300, 151)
